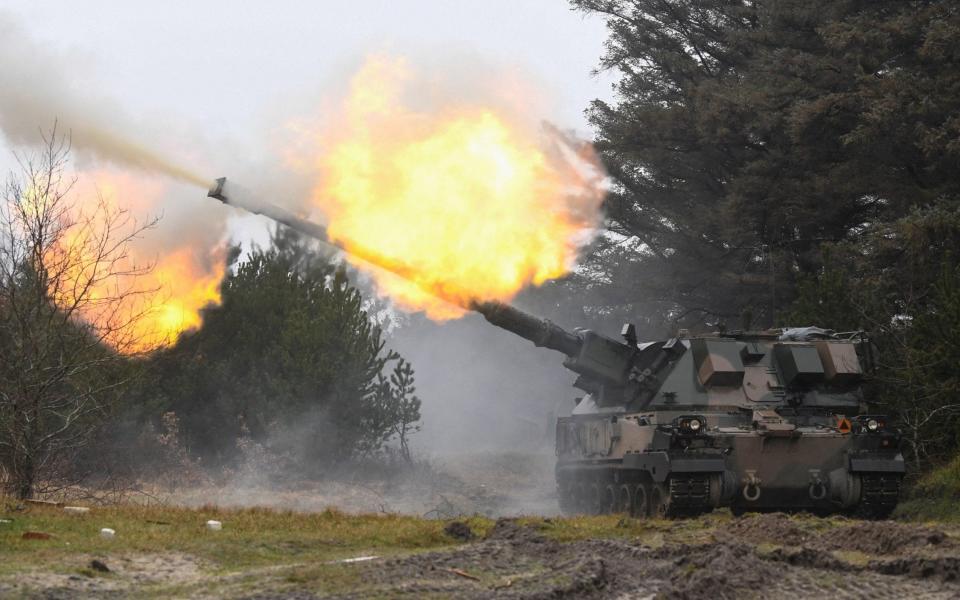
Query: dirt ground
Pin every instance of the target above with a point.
(765, 556)
(717, 556)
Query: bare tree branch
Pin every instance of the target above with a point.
(71, 303)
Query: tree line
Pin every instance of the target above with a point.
(790, 162)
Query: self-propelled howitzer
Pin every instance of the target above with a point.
(767, 420)
(770, 420)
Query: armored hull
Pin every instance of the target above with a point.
(752, 422)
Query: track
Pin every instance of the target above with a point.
(879, 495)
(688, 495)
(636, 494)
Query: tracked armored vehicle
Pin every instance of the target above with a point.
(754, 421)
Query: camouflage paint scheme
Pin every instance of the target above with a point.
(780, 430)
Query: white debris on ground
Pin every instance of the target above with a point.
(355, 559)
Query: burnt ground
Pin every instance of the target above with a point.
(756, 556)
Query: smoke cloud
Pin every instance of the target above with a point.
(124, 162)
(482, 388)
(38, 88)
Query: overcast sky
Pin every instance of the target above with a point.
(225, 67)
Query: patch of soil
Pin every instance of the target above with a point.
(718, 571)
(810, 558)
(512, 561)
(512, 531)
(883, 537)
(516, 561)
(302, 595)
(773, 528)
(459, 530)
(943, 568)
(123, 573)
(158, 568)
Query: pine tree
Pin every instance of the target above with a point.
(291, 350)
(748, 134)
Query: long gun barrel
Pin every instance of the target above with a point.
(539, 331)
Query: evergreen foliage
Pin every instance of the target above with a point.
(291, 357)
(747, 134)
(795, 161)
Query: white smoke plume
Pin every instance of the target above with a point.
(45, 92)
(38, 88)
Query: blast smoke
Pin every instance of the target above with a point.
(38, 89)
(482, 388)
(41, 88)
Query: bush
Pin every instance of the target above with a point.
(290, 362)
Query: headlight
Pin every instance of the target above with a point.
(690, 424)
(872, 423)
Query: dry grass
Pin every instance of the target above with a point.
(162, 551)
(935, 497)
(250, 537)
(255, 545)
(253, 537)
(290, 549)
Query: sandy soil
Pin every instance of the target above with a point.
(128, 572)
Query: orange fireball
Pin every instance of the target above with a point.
(146, 296)
(471, 202)
(187, 281)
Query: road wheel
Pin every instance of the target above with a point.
(641, 501)
(595, 499)
(610, 502)
(659, 501)
(625, 499)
